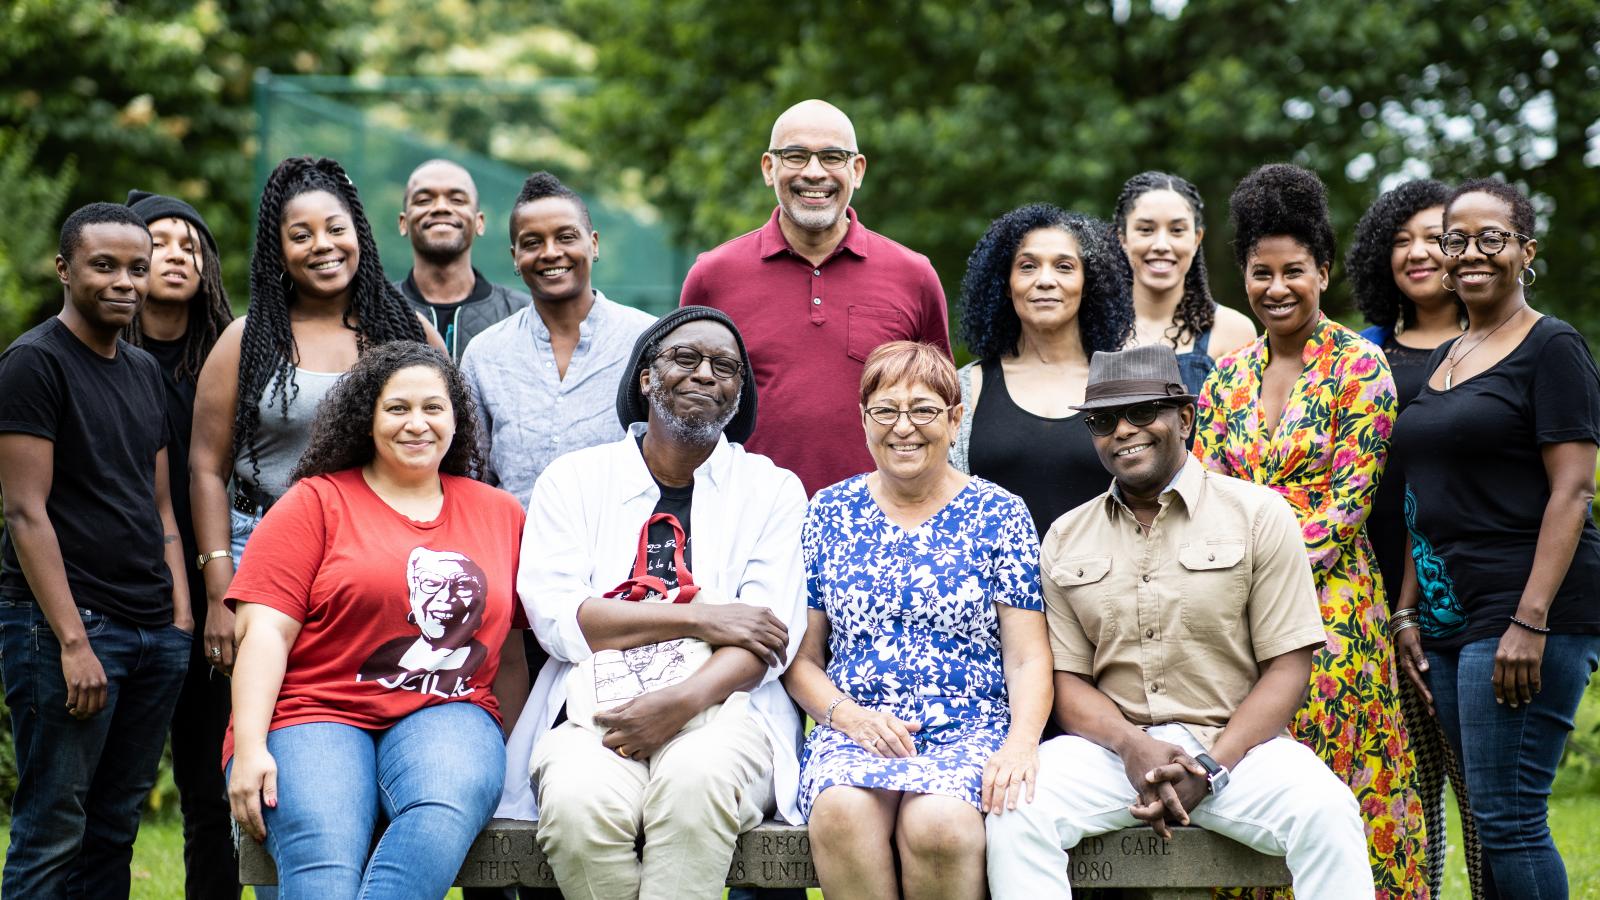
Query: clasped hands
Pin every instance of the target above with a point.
(1168, 781)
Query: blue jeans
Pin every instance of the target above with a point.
(240, 527)
(436, 775)
(74, 820)
(1510, 755)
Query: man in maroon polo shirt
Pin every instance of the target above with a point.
(813, 292)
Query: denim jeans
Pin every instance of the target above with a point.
(74, 819)
(436, 775)
(240, 527)
(1510, 755)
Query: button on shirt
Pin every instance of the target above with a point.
(530, 415)
(809, 329)
(1172, 622)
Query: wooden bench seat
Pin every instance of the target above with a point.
(777, 855)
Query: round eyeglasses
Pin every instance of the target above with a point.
(725, 367)
(1490, 242)
(1102, 422)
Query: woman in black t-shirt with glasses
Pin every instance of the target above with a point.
(1500, 607)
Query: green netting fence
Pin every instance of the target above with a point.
(381, 129)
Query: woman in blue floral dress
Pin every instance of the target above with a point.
(925, 662)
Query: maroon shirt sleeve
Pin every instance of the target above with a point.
(284, 555)
(934, 315)
(694, 293)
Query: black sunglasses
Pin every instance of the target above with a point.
(1102, 422)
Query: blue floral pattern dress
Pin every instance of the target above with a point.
(914, 632)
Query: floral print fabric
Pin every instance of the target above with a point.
(914, 632)
(1325, 457)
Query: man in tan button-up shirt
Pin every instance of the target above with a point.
(1182, 618)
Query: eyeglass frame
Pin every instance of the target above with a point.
(1120, 413)
(1471, 239)
(898, 412)
(702, 357)
(778, 152)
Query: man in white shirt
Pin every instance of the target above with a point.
(676, 509)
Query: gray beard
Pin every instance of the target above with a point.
(690, 431)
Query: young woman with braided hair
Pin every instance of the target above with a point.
(318, 299)
(1160, 222)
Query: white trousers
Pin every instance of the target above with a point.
(1281, 800)
(689, 801)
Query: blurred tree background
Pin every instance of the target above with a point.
(964, 109)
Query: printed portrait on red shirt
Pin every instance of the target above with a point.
(446, 596)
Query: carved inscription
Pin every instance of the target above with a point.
(1097, 860)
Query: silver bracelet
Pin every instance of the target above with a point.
(1396, 628)
(827, 718)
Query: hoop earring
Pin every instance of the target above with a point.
(1528, 271)
(1445, 281)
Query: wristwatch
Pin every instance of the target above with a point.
(1216, 774)
(201, 560)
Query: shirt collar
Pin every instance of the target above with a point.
(636, 477)
(773, 241)
(1186, 484)
(595, 319)
(481, 288)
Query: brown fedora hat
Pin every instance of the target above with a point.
(1134, 375)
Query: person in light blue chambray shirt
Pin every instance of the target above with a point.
(545, 378)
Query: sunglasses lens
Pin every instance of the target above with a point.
(1100, 424)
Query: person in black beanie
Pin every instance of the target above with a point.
(663, 574)
(185, 310)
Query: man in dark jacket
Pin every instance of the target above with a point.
(441, 217)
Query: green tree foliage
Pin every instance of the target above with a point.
(157, 95)
(968, 109)
(26, 249)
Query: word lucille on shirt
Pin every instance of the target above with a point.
(447, 591)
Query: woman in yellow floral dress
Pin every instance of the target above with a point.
(1306, 409)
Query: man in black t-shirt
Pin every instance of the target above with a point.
(95, 624)
(440, 216)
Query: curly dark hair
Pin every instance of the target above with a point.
(1522, 215)
(210, 311)
(94, 214)
(377, 312)
(1196, 311)
(341, 433)
(989, 324)
(1281, 200)
(540, 185)
(1368, 259)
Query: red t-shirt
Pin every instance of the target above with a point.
(809, 330)
(395, 614)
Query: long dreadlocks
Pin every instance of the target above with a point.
(377, 313)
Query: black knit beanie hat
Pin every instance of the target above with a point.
(151, 207)
(631, 404)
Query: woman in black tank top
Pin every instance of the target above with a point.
(1044, 290)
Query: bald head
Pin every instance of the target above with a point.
(812, 117)
(440, 214)
(441, 172)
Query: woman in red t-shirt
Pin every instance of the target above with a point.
(371, 615)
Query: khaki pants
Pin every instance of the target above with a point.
(689, 801)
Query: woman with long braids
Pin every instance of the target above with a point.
(1397, 275)
(1044, 290)
(184, 313)
(318, 298)
(1160, 222)
(1306, 410)
(1498, 615)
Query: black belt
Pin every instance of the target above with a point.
(249, 500)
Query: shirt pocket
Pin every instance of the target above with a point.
(868, 327)
(1083, 581)
(1214, 588)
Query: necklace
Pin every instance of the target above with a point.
(1455, 360)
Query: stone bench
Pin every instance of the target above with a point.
(775, 855)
